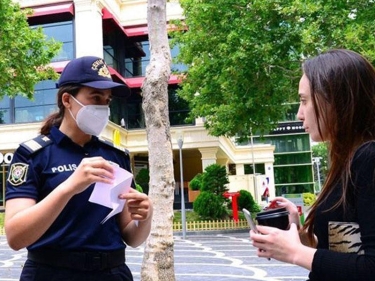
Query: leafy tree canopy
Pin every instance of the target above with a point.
(244, 57)
(24, 52)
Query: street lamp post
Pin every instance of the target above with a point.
(180, 142)
(316, 160)
(254, 172)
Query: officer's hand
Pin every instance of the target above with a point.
(138, 205)
(89, 171)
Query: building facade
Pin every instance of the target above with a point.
(117, 31)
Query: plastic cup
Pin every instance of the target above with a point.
(277, 217)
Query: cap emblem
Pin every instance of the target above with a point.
(101, 68)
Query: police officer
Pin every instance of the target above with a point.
(52, 177)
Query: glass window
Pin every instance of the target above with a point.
(23, 110)
(178, 108)
(2, 184)
(61, 32)
(136, 64)
(232, 169)
(259, 169)
(128, 112)
(177, 67)
(294, 174)
(289, 143)
(146, 59)
(5, 110)
(294, 188)
(36, 110)
(292, 158)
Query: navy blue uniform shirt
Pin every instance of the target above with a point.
(35, 175)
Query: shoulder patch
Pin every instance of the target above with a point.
(36, 144)
(114, 146)
(17, 173)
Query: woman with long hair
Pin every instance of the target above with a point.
(337, 240)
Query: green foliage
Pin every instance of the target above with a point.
(138, 187)
(214, 179)
(308, 199)
(189, 214)
(143, 179)
(246, 200)
(196, 182)
(210, 203)
(209, 206)
(244, 57)
(24, 52)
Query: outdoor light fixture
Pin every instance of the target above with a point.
(180, 142)
(316, 160)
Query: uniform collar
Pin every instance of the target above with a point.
(60, 138)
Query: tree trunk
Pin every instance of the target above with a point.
(158, 260)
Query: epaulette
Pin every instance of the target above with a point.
(111, 144)
(36, 144)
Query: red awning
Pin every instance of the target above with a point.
(117, 76)
(136, 31)
(137, 82)
(58, 66)
(110, 22)
(134, 82)
(53, 10)
(132, 31)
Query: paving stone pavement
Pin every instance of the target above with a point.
(211, 256)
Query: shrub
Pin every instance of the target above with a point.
(214, 179)
(143, 179)
(308, 199)
(138, 187)
(196, 182)
(246, 200)
(209, 206)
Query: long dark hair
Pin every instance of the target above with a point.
(342, 85)
(56, 118)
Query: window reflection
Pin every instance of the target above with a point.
(36, 110)
(61, 32)
(5, 110)
(130, 110)
(139, 58)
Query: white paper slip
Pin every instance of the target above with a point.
(107, 194)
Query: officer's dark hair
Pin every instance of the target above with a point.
(56, 118)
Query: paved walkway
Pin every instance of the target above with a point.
(218, 257)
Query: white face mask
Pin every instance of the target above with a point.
(91, 119)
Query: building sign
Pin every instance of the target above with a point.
(6, 158)
(289, 128)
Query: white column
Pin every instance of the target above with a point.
(240, 169)
(88, 28)
(208, 156)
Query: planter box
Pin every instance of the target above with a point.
(193, 194)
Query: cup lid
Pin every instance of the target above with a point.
(273, 210)
(272, 215)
